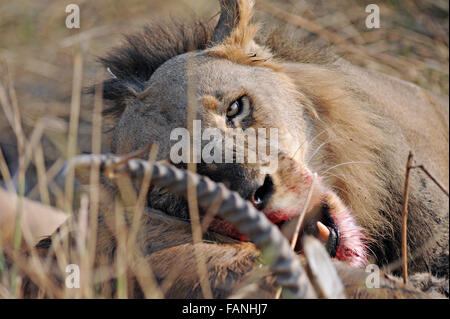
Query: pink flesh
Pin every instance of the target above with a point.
(351, 248)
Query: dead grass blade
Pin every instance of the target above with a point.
(74, 122)
(299, 222)
(5, 173)
(405, 219)
(409, 167)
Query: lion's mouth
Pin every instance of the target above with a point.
(329, 220)
(317, 222)
(326, 218)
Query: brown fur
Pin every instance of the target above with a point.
(356, 133)
(360, 125)
(232, 267)
(353, 126)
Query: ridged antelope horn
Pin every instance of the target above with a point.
(283, 262)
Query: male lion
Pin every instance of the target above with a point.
(352, 127)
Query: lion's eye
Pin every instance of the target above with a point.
(234, 109)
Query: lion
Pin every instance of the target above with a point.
(344, 135)
(353, 127)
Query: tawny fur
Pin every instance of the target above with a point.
(357, 129)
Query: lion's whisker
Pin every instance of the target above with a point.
(312, 141)
(342, 164)
(316, 151)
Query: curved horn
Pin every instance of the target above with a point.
(283, 262)
(231, 14)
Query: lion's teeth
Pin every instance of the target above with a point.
(324, 232)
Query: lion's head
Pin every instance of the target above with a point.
(218, 82)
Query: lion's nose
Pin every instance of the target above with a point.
(263, 193)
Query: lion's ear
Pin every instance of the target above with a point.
(233, 36)
(233, 27)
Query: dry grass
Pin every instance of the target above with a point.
(44, 120)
